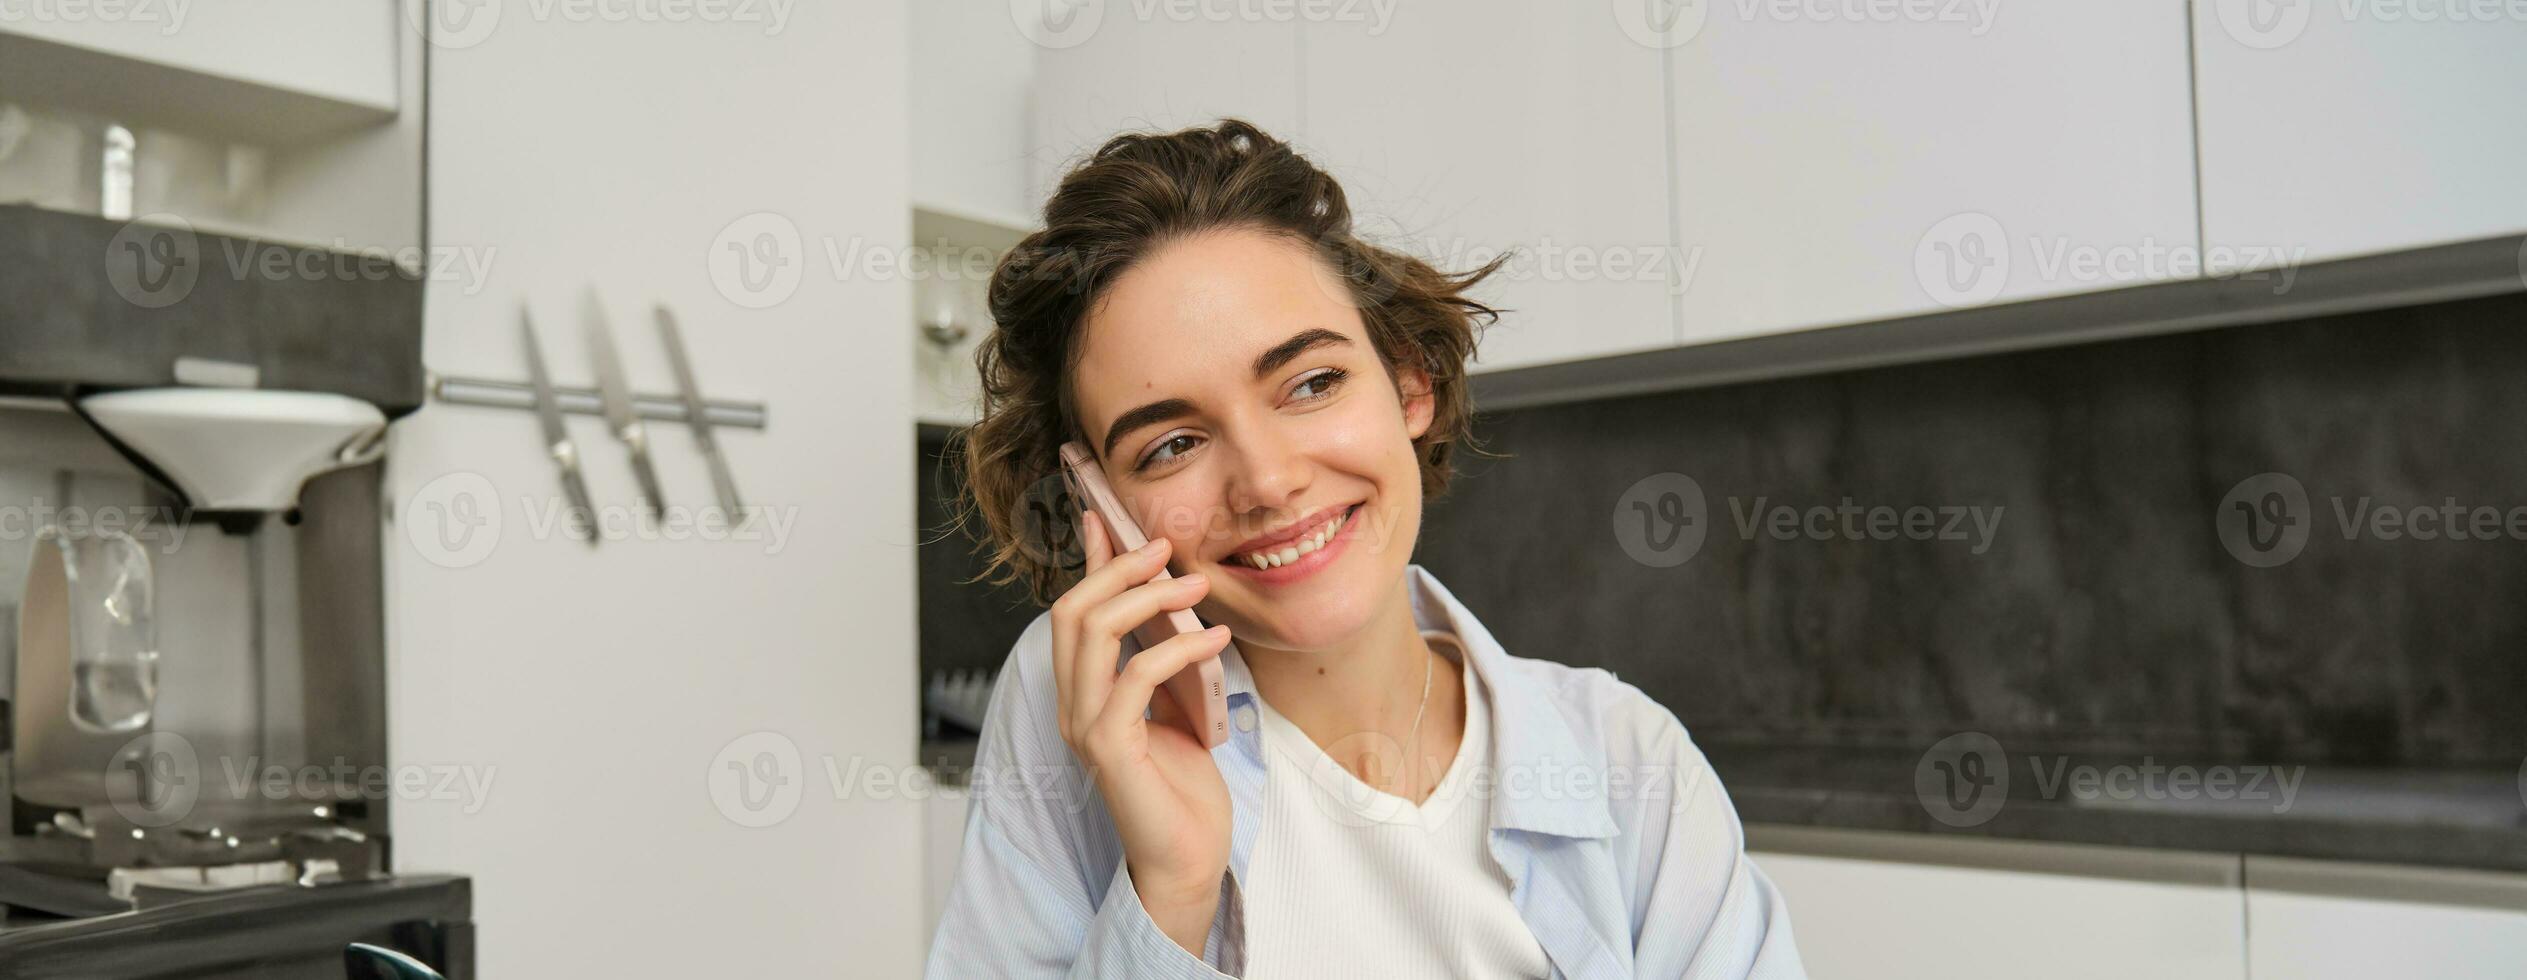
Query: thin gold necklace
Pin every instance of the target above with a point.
(1413, 754)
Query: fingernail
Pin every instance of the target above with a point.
(1194, 579)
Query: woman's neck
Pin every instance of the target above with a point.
(1357, 701)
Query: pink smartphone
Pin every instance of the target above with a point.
(1197, 688)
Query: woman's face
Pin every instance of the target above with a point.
(1229, 387)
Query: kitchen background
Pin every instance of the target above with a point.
(2110, 389)
(2114, 401)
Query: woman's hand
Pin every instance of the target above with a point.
(1169, 804)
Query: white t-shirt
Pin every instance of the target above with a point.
(1349, 881)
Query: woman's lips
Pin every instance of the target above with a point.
(1300, 566)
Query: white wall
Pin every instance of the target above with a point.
(599, 688)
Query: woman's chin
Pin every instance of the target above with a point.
(1310, 620)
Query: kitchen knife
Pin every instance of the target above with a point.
(615, 393)
(698, 414)
(548, 411)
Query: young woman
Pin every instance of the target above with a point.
(1273, 398)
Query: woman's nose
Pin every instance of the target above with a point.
(1270, 470)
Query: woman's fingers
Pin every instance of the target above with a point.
(1140, 679)
(1092, 544)
(1100, 636)
(1093, 541)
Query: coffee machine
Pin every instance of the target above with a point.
(196, 698)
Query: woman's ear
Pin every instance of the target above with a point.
(1413, 386)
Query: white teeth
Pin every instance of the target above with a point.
(1275, 559)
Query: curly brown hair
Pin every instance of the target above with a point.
(1138, 192)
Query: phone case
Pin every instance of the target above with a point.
(1198, 688)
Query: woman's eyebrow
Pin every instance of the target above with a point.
(1170, 409)
(1153, 413)
(1299, 343)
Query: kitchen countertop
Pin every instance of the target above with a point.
(2462, 818)
(277, 931)
(2458, 818)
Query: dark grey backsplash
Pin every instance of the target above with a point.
(2067, 585)
(2105, 612)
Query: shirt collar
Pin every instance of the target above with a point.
(1535, 751)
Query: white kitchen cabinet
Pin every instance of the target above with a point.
(265, 71)
(972, 80)
(1103, 68)
(2347, 129)
(1465, 128)
(1838, 168)
(2329, 921)
(1893, 921)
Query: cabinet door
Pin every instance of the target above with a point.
(2344, 129)
(1465, 128)
(2334, 921)
(1836, 167)
(1102, 68)
(1890, 920)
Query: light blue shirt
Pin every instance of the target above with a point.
(1625, 856)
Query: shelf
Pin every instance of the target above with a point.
(934, 223)
(70, 321)
(2440, 273)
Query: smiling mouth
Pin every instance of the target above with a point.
(1265, 559)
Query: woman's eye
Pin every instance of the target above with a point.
(1320, 384)
(1168, 450)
